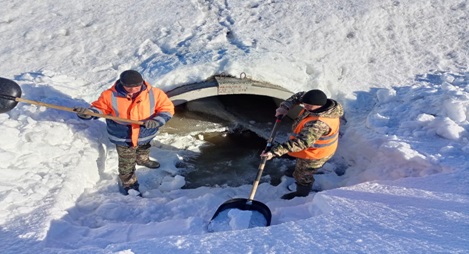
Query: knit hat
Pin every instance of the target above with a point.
(314, 97)
(131, 78)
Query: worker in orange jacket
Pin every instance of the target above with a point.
(314, 139)
(132, 98)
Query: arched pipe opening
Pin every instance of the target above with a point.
(227, 85)
(245, 111)
(248, 103)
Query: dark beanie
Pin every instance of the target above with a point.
(314, 97)
(131, 78)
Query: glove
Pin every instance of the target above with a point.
(267, 155)
(151, 124)
(281, 111)
(81, 113)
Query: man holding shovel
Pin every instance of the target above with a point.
(132, 98)
(314, 139)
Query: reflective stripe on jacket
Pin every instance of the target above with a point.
(150, 103)
(325, 146)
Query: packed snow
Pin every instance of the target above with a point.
(400, 68)
(236, 219)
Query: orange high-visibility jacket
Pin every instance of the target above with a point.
(325, 146)
(150, 103)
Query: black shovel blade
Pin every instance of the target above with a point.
(245, 205)
(9, 90)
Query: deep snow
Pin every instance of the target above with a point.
(399, 68)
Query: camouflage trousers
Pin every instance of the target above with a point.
(128, 158)
(305, 170)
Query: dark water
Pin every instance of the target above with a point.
(229, 158)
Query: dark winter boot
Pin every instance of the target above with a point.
(143, 157)
(289, 172)
(135, 186)
(301, 191)
(127, 182)
(149, 164)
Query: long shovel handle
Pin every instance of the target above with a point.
(264, 160)
(73, 110)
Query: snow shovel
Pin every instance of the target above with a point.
(250, 204)
(10, 93)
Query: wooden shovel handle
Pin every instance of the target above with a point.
(260, 169)
(72, 110)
